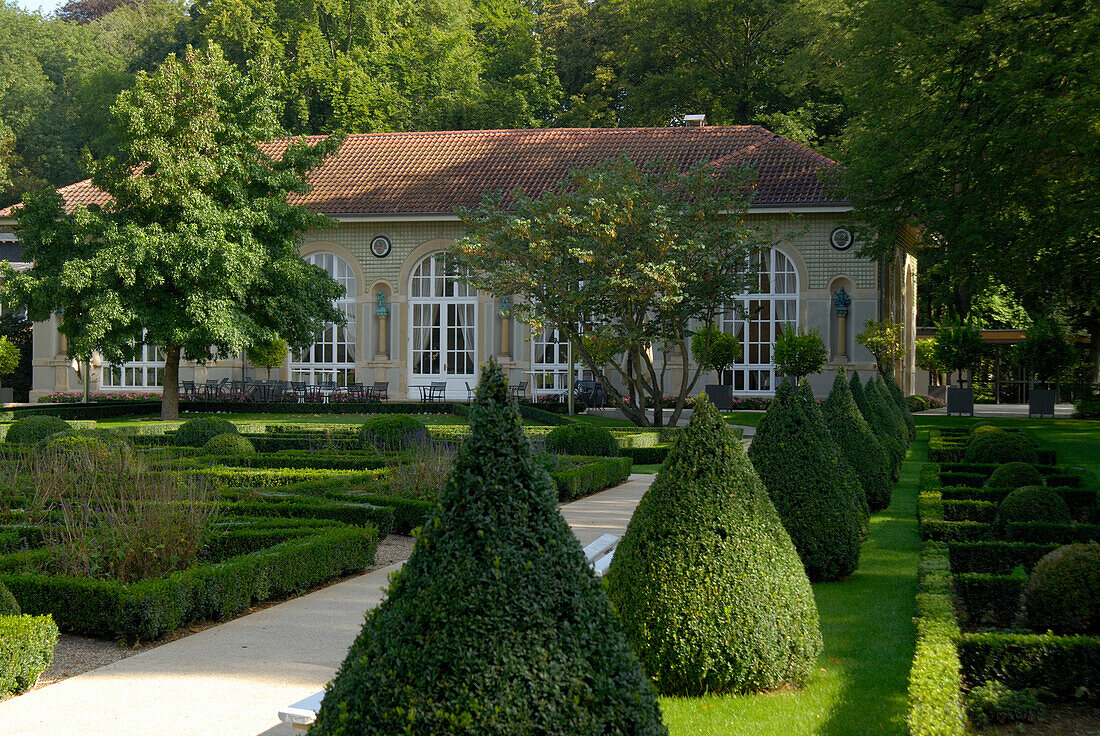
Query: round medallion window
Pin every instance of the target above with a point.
(381, 246)
(841, 238)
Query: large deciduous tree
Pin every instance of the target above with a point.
(198, 247)
(626, 257)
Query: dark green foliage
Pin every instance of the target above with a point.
(1014, 475)
(1065, 666)
(983, 511)
(582, 439)
(590, 477)
(892, 410)
(894, 391)
(1034, 503)
(8, 605)
(26, 651)
(230, 443)
(392, 432)
(1000, 447)
(982, 427)
(858, 444)
(34, 429)
(1045, 532)
(955, 531)
(1063, 594)
(1076, 498)
(846, 479)
(197, 432)
(890, 417)
(794, 465)
(706, 580)
(994, 703)
(496, 624)
(895, 453)
(989, 600)
(999, 558)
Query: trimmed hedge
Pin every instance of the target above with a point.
(87, 411)
(1076, 498)
(8, 605)
(26, 651)
(197, 432)
(1038, 532)
(1063, 594)
(982, 511)
(591, 477)
(989, 600)
(392, 432)
(582, 439)
(646, 455)
(151, 608)
(955, 531)
(1066, 666)
(1001, 447)
(880, 426)
(295, 507)
(998, 558)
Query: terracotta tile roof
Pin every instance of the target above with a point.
(437, 172)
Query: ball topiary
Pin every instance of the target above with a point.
(197, 432)
(391, 432)
(706, 581)
(229, 443)
(582, 439)
(34, 429)
(1014, 475)
(496, 624)
(846, 478)
(8, 605)
(895, 453)
(1000, 447)
(858, 444)
(96, 445)
(1034, 503)
(1063, 593)
(793, 463)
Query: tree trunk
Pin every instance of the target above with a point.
(170, 396)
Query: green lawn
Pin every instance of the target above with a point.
(860, 685)
(744, 418)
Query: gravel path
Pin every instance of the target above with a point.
(77, 654)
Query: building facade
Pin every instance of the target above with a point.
(410, 321)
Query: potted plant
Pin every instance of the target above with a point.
(1046, 353)
(799, 353)
(958, 348)
(717, 351)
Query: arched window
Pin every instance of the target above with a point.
(759, 319)
(443, 326)
(332, 357)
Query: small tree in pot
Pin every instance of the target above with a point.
(799, 353)
(958, 348)
(1047, 354)
(715, 350)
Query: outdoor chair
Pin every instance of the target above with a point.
(519, 391)
(380, 391)
(437, 391)
(469, 393)
(188, 390)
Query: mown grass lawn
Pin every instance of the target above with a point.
(860, 685)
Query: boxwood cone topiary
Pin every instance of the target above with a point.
(892, 410)
(1034, 503)
(903, 405)
(846, 478)
(1063, 593)
(197, 432)
(34, 429)
(1000, 447)
(894, 452)
(858, 443)
(706, 580)
(582, 439)
(793, 464)
(1014, 475)
(496, 624)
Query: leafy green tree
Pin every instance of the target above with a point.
(496, 624)
(706, 581)
(9, 356)
(198, 247)
(884, 341)
(798, 353)
(650, 250)
(85, 11)
(1046, 352)
(858, 444)
(269, 353)
(18, 331)
(715, 350)
(958, 347)
(793, 461)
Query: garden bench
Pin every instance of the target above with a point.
(301, 715)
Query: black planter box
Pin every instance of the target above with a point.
(720, 396)
(960, 401)
(1041, 402)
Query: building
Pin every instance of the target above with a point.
(394, 196)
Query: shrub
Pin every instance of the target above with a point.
(998, 446)
(881, 402)
(993, 703)
(1066, 666)
(1034, 503)
(197, 432)
(1063, 594)
(922, 402)
(982, 428)
(582, 439)
(230, 444)
(496, 624)
(391, 432)
(1014, 475)
(794, 465)
(26, 651)
(858, 444)
(895, 453)
(797, 352)
(34, 429)
(8, 605)
(706, 580)
(894, 392)
(846, 479)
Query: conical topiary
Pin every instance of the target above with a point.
(846, 477)
(883, 405)
(496, 624)
(706, 581)
(894, 452)
(903, 406)
(858, 443)
(793, 463)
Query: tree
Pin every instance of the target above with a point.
(198, 247)
(958, 347)
(846, 479)
(9, 356)
(269, 353)
(628, 256)
(715, 350)
(706, 581)
(496, 624)
(858, 443)
(884, 341)
(1046, 352)
(880, 427)
(85, 11)
(798, 353)
(925, 351)
(18, 331)
(793, 461)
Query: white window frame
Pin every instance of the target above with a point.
(443, 327)
(331, 358)
(145, 372)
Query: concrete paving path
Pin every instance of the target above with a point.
(1007, 410)
(232, 679)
